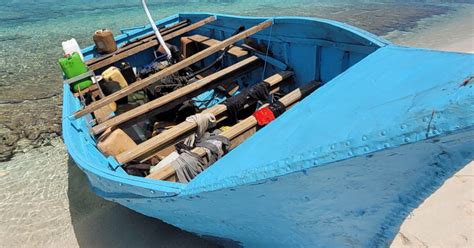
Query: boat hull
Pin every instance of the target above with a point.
(343, 167)
(358, 202)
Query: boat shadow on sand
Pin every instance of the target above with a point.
(100, 223)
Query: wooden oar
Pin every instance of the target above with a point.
(171, 69)
(180, 131)
(176, 97)
(150, 43)
(240, 128)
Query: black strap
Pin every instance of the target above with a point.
(277, 108)
(258, 92)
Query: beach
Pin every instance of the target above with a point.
(46, 201)
(446, 218)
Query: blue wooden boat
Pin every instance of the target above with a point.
(343, 167)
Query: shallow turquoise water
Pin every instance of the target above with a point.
(31, 31)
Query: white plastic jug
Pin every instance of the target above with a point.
(71, 46)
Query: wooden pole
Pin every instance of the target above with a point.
(240, 128)
(170, 70)
(170, 136)
(138, 41)
(151, 43)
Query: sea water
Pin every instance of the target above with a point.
(31, 31)
(44, 199)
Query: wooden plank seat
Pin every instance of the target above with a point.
(152, 36)
(171, 69)
(127, 52)
(178, 96)
(240, 128)
(184, 129)
(139, 41)
(208, 42)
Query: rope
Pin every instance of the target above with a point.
(203, 122)
(268, 49)
(188, 164)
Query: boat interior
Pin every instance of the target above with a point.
(169, 118)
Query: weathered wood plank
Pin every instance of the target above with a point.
(183, 129)
(150, 43)
(173, 96)
(240, 128)
(138, 41)
(171, 69)
(234, 50)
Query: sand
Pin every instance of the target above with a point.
(60, 211)
(446, 218)
(452, 32)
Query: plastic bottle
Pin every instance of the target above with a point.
(71, 46)
(72, 66)
(104, 41)
(113, 75)
(127, 72)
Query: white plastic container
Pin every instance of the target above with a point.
(71, 46)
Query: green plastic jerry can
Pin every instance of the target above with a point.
(72, 66)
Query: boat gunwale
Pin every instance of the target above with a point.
(169, 188)
(374, 39)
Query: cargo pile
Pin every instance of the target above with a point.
(173, 117)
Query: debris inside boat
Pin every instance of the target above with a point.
(168, 114)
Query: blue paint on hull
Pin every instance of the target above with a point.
(341, 168)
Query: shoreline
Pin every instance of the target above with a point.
(446, 217)
(450, 32)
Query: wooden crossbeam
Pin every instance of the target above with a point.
(175, 97)
(240, 128)
(163, 31)
(204, 40)
(150, 43)
(168, 137)
(138, 41)
(171, 69)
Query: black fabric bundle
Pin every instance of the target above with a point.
(258, 92)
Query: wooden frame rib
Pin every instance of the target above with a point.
(190, 90)
(171, 69)
(240, 128)
(183, 129)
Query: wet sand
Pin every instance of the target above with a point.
(46, 201)
(446, 218)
